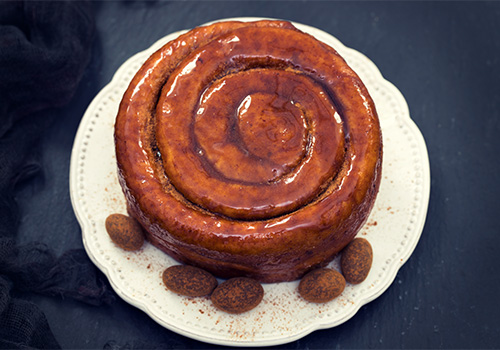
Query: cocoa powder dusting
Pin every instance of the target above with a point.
(237, 295)
(321, 285)
(356, 260)
(189, 280)
(125, 232)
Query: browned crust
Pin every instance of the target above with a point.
(279, 248)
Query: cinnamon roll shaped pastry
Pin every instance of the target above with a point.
(249, 149)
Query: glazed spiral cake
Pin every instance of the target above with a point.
(249, 149)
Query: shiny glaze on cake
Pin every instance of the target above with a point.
(249, 149)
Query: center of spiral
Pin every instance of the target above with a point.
(257, 143)
(274, 128)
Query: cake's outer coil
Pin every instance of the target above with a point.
(249, 149)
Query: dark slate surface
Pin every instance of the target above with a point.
(443, 56)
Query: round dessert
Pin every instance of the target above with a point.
(249, 149)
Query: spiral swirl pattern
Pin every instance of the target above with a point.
(249, 149)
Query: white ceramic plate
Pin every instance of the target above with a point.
(394, 227)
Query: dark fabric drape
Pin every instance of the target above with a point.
(44, 50)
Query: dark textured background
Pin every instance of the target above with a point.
(445, 59)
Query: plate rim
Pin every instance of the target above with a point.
(86, 225)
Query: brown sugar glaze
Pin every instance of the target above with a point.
(249, 149)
